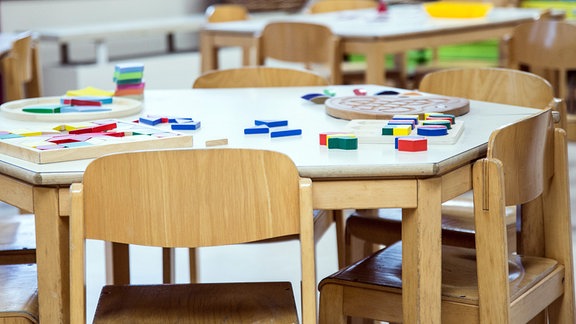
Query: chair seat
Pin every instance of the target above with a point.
(457, 223)
(198, 303)
(382, 271)
(17, 239)
(19, 293)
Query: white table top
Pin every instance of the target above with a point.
(401, 20)
(224, 113)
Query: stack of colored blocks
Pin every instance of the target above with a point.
(339, 140)
(129, 79)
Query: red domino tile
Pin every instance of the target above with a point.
(412, 144)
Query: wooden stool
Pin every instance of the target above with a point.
(19, 294)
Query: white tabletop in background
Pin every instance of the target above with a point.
(224, 113)
(400, 20)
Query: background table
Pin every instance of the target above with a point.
(374, 176)
(405, 27)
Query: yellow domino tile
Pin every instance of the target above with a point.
(402, 130)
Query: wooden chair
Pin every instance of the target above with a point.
(353, 72)
(504, 86)
(230, 12)
(213, 202)
(304, 43)
(20, 70)
(262, 76)
(257, 77)
(489, 284)
(548, 47)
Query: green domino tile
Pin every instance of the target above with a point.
(388, 130)
(42, 110)
(446, 123)
(343, 143)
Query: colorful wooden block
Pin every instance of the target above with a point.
(324, 136)
(343, 142)
(411, 143)
(287, 132)
(402, 122)
(406, 117)
(432, 130)
(150, 120)
(441, 115)
(329, 92)
(83, 109)
(186, 126)
(401, 130)
(129, 67)
(271, 123)
(43, 110)
(360, 92)
(80, 102)
(257, 130)
(443, 122)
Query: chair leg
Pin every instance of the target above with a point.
(340, 221)
(168, 265)
(193, 265)
(117, 263)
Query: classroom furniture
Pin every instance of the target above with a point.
(372, 177)
(101, 34)
(406, 27)
(257, 77)
(305, 43)
(228, 196)
(19, 294)
(505, 86)
(230, 12)
(547, 47)
(353, 72)
(20, 69)
(488, 284)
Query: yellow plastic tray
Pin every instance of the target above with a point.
(449, 9)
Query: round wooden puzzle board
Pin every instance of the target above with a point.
(120, 107)
(386, 106)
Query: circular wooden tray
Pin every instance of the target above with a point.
(386, 106)
(120, 107)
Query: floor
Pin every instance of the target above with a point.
(254, 262)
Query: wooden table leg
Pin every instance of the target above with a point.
(421, 254)
(208, 53)
(52, 251)
(375, 65)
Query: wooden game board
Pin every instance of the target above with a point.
(139, 137)
(120, 107)
(369, 131)
(386, 106)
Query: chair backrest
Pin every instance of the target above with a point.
(516, 172)
(225, 196)
(504, 86)
(258, 77)
(298, 42)
(545, 44)
(20, 69)
(331, 6)
(226, 12)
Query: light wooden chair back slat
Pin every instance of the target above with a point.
(256, 77)
(226, 12)
(303, 43)
(225, 196)
(20, 69)
(331, 6)
(504, 86)
(545, 44)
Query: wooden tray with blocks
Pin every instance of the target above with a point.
(119, 107)
(369, 131)
(386, 106)
(85, 140)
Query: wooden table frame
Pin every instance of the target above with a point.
(371, 44)
(419, 189)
